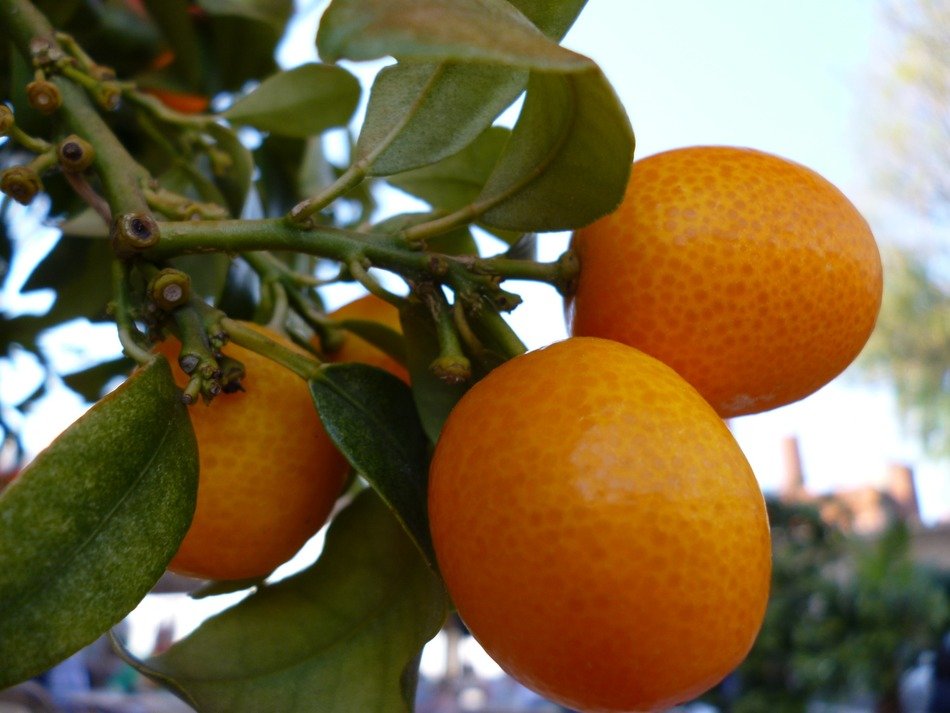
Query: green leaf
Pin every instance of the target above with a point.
(274, 13)
(235, 182)
(484, 31)
(90, 383)
(80, 270)
(454, 242)
(553, 17)
(342, 636)
(568, 159)
(88, 527)
(457, 180)
(85, 224)
(372, 419)
(177, 28)
(300, 102)
(243, 36)
(419, 113)
(434, 398)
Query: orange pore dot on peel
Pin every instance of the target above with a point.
(599, 529)
(752, 276)
(269, 474)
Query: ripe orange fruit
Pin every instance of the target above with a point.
(752, 276)
(371, 309)
(599, 529)
(268, 472)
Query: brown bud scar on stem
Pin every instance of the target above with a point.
(170, 288)
(75, 154)
(21, 183)
(43, 96)
(7, 120)
(188, 362)
(133, 232)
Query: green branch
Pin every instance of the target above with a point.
(121, 175)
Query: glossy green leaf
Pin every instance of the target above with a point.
(371, 417)
(484, 31)
(568, 159)
(90, 525)
(300, 102)
(419, 113)
(235, 181)
(341, 636)
(434, 398)
(457, 180)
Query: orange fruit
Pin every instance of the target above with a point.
(268, 476)
(752, 276)
(598, 528)
(369, 308)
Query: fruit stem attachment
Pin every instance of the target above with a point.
(492, 325)
(452, 366)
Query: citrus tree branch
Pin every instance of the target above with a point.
(122, 177)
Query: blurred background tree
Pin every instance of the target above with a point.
(910, 150)
(847, 617)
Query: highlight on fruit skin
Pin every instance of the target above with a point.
(751, 275)
(598, 528)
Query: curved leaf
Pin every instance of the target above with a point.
(270, 12)
(568, 159)
(341, 636)
(485, 31)
(300, 102)
(89, 526)
(457, 180)
(372, 419)
(419, 113)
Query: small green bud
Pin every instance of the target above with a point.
(7, 120)
(75, 154)
(43, 96)
(21, 183)
(102, 73)
(132, 233)
(170, 288)
(109, 96)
